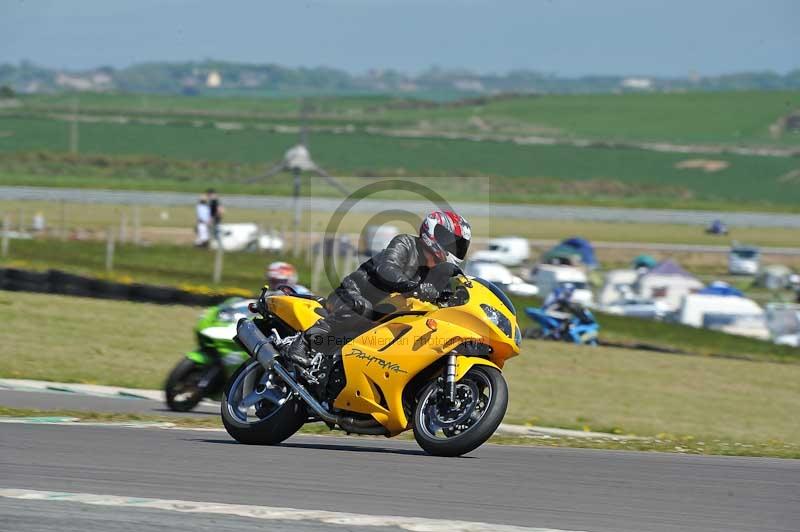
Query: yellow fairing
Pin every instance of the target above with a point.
(463, 365)
(380, 363)
(298, 313)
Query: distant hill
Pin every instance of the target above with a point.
(228, 78)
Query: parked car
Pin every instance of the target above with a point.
(509, 251)
(548, 277)
(717, 227)
(744, 260)
(245, 237)
(501, 276)
(637, 308)
(270, 242)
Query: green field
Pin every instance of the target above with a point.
(173, 143)
(699, 117)
(728, 406)
(555, 174)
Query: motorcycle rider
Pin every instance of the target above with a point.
(402, 267)
(559, 304)
(281, 273)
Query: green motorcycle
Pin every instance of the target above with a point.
(204, 371)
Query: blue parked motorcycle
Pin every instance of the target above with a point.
(562, 326)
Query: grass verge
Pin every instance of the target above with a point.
(701, 404)
(160, 264)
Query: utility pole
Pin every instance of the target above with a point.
(63, 231)
(123, 228)
(316, 271)
(137, 222)
(217, 278)
(110, 249)
(296, 196)
(6, 229)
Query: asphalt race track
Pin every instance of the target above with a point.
(521, 211)
(88, 403)
(554, 489)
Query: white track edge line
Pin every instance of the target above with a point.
(270, 513)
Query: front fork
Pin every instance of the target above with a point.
(209, 376)
(450, 378)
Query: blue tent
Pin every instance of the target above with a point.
(584, 248)
(721, 288)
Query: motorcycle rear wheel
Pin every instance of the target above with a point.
(442, 429)
(258, 409)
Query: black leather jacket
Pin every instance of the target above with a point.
(398, 268)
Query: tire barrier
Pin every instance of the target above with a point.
(25, 281)
(60, 282)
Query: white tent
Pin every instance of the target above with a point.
(668, 284)
(730, 314)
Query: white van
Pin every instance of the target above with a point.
(501, 276)
(509, 251)
(744, 260)
(548, 277)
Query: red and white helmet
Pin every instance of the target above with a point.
(281, 273)
(446, 235)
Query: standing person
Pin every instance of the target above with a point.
(203, 215)
(216, 211)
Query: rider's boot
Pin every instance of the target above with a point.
(299, 351)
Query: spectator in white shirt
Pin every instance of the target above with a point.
(203, 212)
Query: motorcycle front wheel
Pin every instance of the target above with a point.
(258, 408)
(445, 428)
(183, 389)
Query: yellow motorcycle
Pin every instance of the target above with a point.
(434, 368)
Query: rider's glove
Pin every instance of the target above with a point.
(427, 292)
(361, 306)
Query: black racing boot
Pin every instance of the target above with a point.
(298, 351)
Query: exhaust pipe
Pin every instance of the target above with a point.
(254, 341)
(318, 409)
(260, 347)
(347, 423)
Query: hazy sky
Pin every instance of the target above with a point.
(567, 37)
